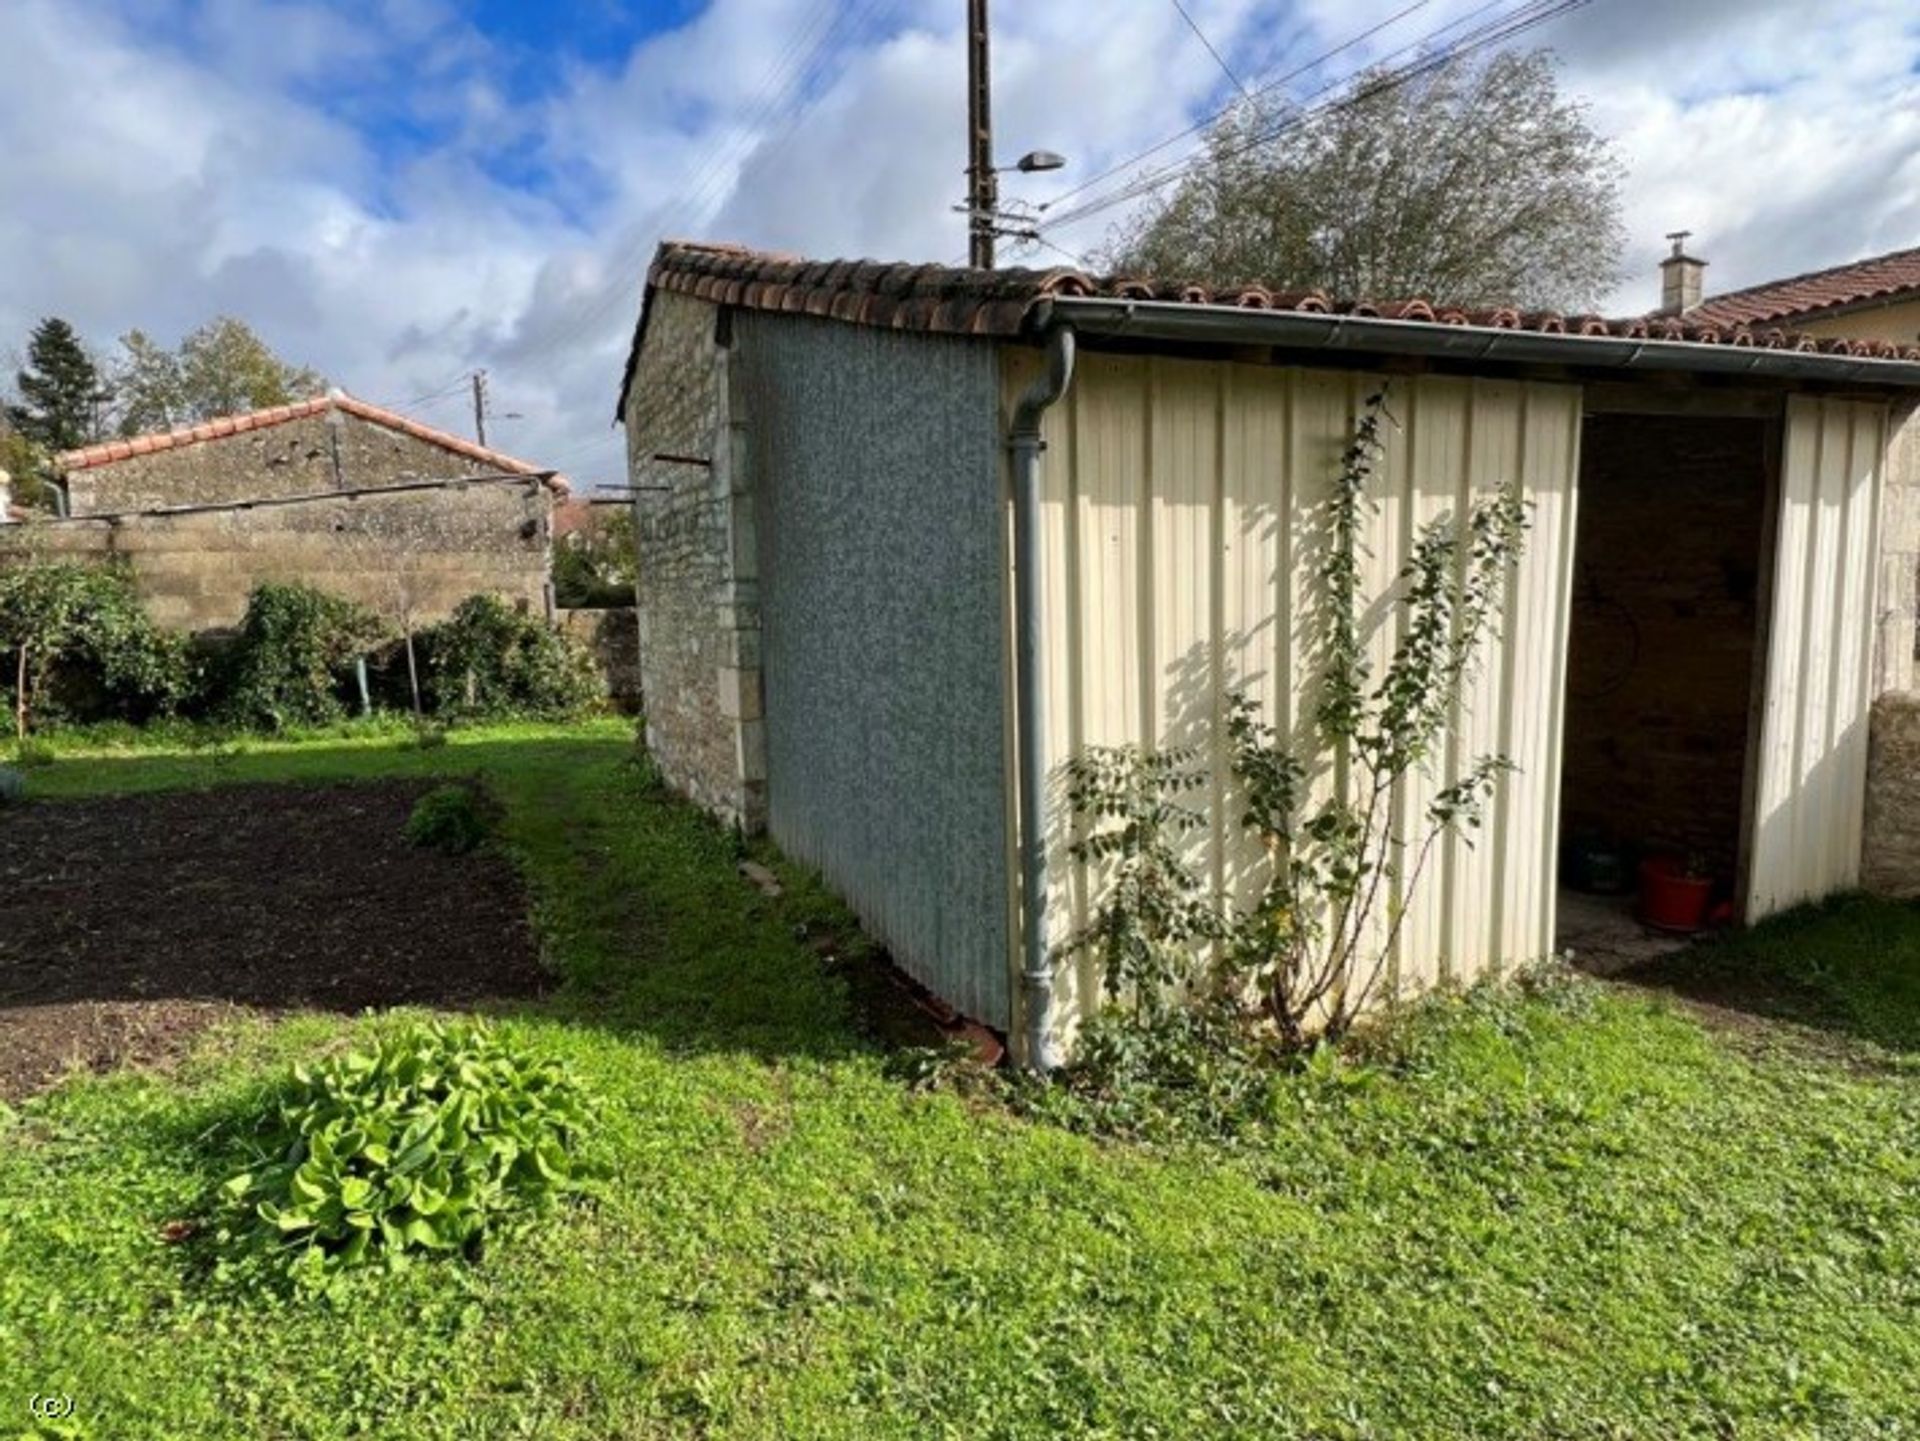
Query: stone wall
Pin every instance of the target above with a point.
(1661, 645)
(420, 552)
(329, 451)
(1897, 644)
(699, 608)
(612, 636)
(1891, 854)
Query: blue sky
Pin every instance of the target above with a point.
(399, 191)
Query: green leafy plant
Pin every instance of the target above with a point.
(429, 736)
(453, 819)
(33, 754)
(1337, 874)
(288, 665)
(426, 1143)
(1153, 910)
(82, 624)
(488, 658)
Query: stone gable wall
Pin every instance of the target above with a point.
(699, 608)
(332, 450)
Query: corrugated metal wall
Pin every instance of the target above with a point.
(874, 461)
(1179, 531)
(1811, 771)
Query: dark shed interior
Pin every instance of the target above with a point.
(1664, 637)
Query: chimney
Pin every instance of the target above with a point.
(1680, 277)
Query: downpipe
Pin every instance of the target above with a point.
(1030, 714)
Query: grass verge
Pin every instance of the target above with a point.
(1575, 1214)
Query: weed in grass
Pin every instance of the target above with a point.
(33, 754)
(453, 819)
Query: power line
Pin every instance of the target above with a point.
(801, 64)
(1266, 88)
(1218, 58)
(1516, 22)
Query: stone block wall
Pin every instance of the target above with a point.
(1890, 851)
(417, 553)
(330, 450)
(1891, 863)
(699, 606)
(612, 636)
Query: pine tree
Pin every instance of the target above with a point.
(60, 390)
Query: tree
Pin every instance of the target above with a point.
(26, 466)
(596, 564)
(60, 390)
(1475, 183)
(147, 379)
(222, 368)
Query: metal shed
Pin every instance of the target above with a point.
(963, 524)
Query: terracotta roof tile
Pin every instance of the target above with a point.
(108, 452)
(949, 300)
(1879, 277)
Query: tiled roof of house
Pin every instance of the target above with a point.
(1879, 277)
(955, 301)
(108, 452)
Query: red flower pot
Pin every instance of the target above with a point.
(1670, 899)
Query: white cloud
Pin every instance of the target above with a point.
(256, 158)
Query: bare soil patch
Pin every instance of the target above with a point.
(129, 924)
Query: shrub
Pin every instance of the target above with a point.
(453, 819)
(489, 659)
(13, 786)
(288, 665)
(79, 630)
(428, 1142)
(32, 754)
(429, 736)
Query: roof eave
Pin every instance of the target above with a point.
(1228, 324)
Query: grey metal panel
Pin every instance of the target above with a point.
(874, 462)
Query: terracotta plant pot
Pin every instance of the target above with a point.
(1670, 899)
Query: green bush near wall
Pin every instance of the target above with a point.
(289, 664)
(488, 659)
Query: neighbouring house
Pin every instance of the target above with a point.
(1873, 299)
(332, 492)
(912, 536)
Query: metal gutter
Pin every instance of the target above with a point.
(1030, 715)
(1359, 334)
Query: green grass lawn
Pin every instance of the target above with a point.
(1580, 1214)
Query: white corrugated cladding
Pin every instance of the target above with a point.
(1811, 772)
(1180, 500)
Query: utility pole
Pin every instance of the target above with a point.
(480, 405)
(983, 186)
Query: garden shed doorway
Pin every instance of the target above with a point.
(1665, 639)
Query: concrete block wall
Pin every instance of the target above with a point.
(698, 583)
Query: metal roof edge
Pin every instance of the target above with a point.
(1229, 324)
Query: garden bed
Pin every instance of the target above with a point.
(134, 922)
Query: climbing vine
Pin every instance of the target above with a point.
(1337, 865)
